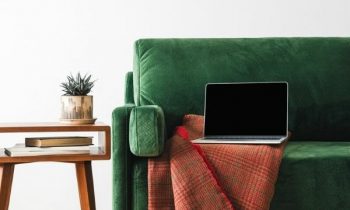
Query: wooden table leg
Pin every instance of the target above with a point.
(86, 185)
(6, 176)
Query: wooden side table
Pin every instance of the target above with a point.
(82, 161)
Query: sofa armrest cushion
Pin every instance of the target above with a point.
(146, 131)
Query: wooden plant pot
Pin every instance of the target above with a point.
(77, 110)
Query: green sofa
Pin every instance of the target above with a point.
(168, 81)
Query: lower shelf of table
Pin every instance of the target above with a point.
(95, 154)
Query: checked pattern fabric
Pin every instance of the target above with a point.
(212, 176)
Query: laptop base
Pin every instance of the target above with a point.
(238, 141)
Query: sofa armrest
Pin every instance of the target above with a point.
(121, 157)
(129, 128)
(146, 131)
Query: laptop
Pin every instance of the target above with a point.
(245, 113)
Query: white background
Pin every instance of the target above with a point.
(41, 41)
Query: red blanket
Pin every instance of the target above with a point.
(212, 176)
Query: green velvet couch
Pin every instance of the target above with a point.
(168, 81)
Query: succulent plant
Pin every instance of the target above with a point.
(78, 85)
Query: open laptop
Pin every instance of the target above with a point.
(246, 113)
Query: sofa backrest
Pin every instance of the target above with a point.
(172, 73)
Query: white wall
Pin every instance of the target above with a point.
(41, 41)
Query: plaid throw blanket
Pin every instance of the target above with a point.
(212, 176)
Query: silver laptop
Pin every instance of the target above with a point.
(246, 113)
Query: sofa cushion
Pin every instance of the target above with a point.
(172, 73)
(314, 175)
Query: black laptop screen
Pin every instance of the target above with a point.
(246, 109)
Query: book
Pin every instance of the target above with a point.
(22, 150)
(59, 141)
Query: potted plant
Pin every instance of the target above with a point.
(77, 105)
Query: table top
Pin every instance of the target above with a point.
(50, 127)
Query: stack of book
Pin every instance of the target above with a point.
(51, 146)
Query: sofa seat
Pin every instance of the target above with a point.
(314, 175)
